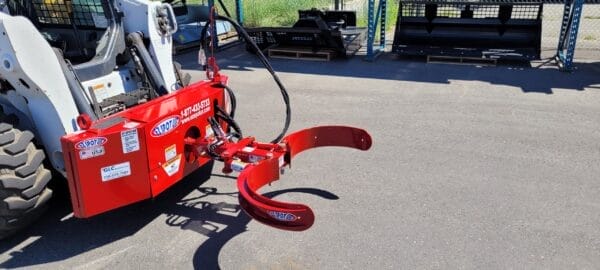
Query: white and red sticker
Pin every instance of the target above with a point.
(91, 143)
(166, 126)
(171, 152)
(130, 125)
(130, 141)
(283, 216)
(115, 171)
(172, 166)
(92, 152)
(208, 132)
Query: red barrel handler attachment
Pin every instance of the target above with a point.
(260, 163)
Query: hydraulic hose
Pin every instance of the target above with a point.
(156, 80)
(229, 120)
(263, 59)
(232, 99)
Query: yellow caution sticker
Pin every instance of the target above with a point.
(172, 166)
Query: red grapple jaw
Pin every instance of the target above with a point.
(327, 136)
(282, 215)
(285, 215)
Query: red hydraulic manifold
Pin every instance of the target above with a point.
(140, 152)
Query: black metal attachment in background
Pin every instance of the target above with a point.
(486, 28)
(316, 30)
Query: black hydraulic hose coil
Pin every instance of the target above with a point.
(263, 59)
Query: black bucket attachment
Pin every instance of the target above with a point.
(488, 29)
(315, 30)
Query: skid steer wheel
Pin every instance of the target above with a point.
(23, 179)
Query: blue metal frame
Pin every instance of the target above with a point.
(565, 52)
(239, 11)
(375, 18)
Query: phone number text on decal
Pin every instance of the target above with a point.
(194, 111)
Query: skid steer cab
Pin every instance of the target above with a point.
(89, 89)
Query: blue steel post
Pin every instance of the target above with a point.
(239, 10)
(383, 7)
(577, 9)
(568, 34)
(371, 30)
(565, 22)
(373, 19)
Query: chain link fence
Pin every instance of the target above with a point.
(284, 13)
(589, 28)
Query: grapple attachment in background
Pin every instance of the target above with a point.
(494, 29)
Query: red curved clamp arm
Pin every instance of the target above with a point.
(284, 215)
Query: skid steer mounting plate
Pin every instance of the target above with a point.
(140, 152)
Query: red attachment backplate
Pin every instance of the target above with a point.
(138, 153)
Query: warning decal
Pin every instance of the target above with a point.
(130, 141)
(172, 167)
(171, 152)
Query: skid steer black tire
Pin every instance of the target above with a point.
(23, 179)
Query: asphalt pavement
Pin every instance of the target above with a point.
(471, 168)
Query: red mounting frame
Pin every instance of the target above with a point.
(140, 152)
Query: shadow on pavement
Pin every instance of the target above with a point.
(56, 238)
(543, 79)
(60, 238)
(199, 215)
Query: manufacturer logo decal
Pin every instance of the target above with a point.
(165, 126)
(283, 216)
(89, 143)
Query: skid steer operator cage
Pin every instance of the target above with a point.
(490, 29)
(84, 14)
